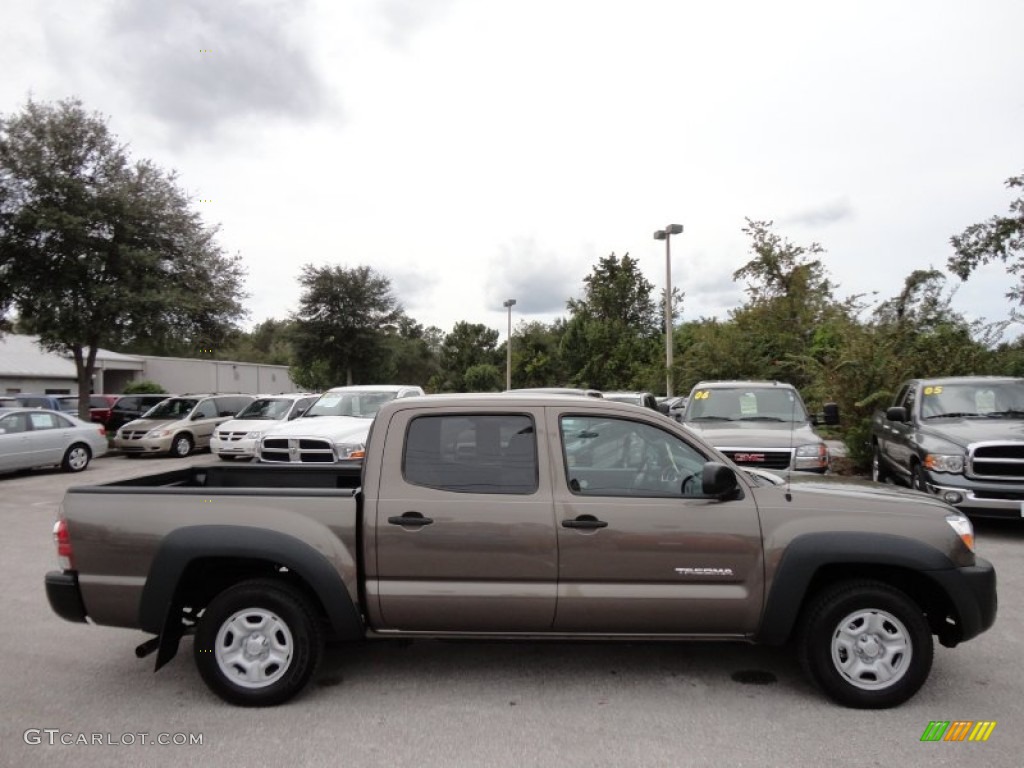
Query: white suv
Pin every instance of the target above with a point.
(334, 428)
(240, 437)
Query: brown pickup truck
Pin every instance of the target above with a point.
(521, 516)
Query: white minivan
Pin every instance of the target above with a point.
(240, 437)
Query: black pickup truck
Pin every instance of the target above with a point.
(960, 438)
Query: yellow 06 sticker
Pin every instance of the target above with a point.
(703, 394)
(933, 390)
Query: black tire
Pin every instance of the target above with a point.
(262, 605)
(76, 458)
(878, 471)
(873, 623)
(181, 446)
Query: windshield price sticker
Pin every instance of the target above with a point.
(704, 394)
(933, 390)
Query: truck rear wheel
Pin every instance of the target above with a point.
(258, 643)
(866, 645)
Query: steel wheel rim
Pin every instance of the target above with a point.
(871, 649)
(254, 648)
(78, 458)
(181, 446)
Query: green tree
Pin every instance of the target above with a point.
(340, 328)
(466, 346)
(611, 336)
(411, 353)
(484, 378)
(143, 387)
(97, 250)
(536, 356)
(1000, 238)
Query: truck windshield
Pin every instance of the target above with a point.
(994, 400)
(363, 405)
(266, 408)
(746, 404)
(175, 408)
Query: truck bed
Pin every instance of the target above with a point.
(334, 476)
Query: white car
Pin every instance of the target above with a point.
(334, 428)
(240, 437)
(35, 437)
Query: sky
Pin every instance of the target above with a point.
(474, 151)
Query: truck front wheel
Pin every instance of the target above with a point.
(866, 644)
(258, 643)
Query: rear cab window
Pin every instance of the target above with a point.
(472, 453)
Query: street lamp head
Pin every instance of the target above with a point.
(660, 235)
(509, 303)
(674, 229)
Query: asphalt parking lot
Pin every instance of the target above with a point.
(471, 704)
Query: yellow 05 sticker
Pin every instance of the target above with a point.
(933, 390)
(703, 394)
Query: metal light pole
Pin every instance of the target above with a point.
(666, 234)
(509, 303)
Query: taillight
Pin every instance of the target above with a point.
(62, 538)
(103, 430)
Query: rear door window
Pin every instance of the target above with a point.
(486, 453)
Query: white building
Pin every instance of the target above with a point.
(26, 367)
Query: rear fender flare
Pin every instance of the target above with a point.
(185, 545)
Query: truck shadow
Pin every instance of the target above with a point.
(586, 668)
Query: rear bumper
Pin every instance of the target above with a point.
(64, 596)
(972, 590)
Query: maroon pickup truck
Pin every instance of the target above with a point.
(521, 516)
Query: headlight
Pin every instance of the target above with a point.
(812, 456)
(350, 450)
(253, 435)
(944, 462)
(963, 528)
(158, 433)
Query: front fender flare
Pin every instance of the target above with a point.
(807, 554)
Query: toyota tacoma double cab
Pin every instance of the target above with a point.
(521, 516)
(960, 438)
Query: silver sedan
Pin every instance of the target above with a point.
(35, 437)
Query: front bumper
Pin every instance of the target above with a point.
(246, 448)
(972, 591)
(979, 498)
(144, 444)
(64, 595)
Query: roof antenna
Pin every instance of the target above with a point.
(792, 455)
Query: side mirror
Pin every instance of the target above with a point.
(662, 407)
(718, 481)
(831, 414)
(195, 417)
(896, 413)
